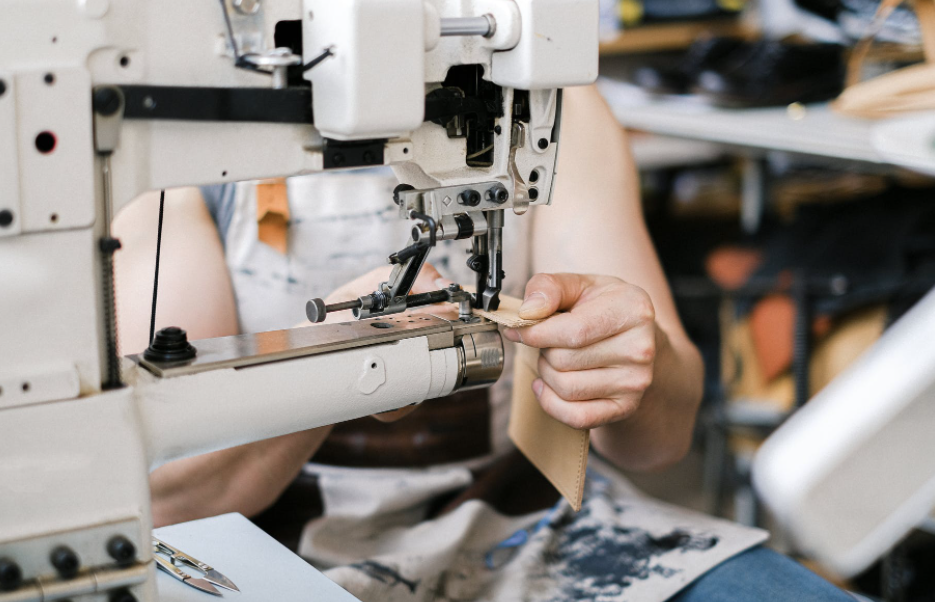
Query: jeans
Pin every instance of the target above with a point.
(761, 575)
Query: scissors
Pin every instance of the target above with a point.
(176, 556)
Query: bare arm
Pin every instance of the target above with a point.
(195, 293)
(596, 226)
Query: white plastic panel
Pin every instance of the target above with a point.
(48, 306)
(558, 46)
(854, 470)
(24, 385)
(76, 481)
(53, 107)
(372, 87)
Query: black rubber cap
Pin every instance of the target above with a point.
(315, 311)
(170, 345)
(11, 576)
(65, 561)
(121, 550)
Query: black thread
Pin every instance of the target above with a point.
(152, 319)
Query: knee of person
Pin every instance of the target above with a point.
(764, 575)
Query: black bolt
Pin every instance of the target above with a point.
(121, 595)
(106, 101)
(543, 143)
(533, 194)
(49, 78)
(338, 159)
(497, 130)
(2, 87)
(122, 549)
(469, 197)
(6, 218)
(475, 263)
(65, 561)
(11, 576)
(368, 157)
(498, 195)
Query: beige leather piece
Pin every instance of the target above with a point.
(508, 313)
(557, 450)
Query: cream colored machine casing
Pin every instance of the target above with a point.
(75, 455)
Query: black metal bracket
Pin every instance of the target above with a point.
(260, 105)
(338, 154)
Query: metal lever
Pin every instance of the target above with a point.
(393, 296)
(316, 310)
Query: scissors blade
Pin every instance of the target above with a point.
(201, 584)
(218, 578)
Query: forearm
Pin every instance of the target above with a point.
(244, 479)
(659, 432)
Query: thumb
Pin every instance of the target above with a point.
(549, 293)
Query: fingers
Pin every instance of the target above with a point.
(583, 414)
(634, 346)
(585, 385)
(548, 293)
(601, 312)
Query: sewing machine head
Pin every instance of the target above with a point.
(101, 100)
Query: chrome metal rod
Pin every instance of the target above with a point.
(484, 26)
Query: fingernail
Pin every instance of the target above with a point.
(443, 282)
(511, 334)
(533, 305)
(537, 386)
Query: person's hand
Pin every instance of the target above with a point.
(597, 356)
(368, 283)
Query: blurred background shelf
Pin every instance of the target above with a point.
(809, 130)
(661, 152)
(674, 36)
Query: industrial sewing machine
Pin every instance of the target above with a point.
(101, 100)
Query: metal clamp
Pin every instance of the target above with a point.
(278, 61)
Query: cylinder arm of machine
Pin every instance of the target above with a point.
(245, 388)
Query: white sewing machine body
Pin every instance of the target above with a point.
(102, 100)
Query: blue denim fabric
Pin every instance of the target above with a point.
(761, 575)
